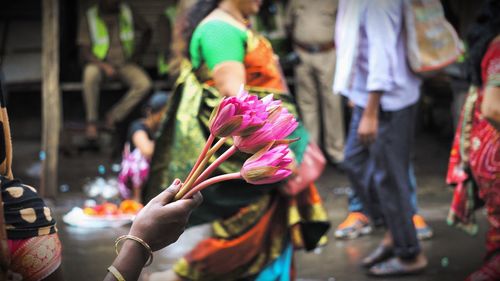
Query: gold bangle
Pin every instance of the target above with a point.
(116, 273)
(138, 240)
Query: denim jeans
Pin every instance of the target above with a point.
(379, 174)
(355, 204)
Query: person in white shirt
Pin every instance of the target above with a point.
(373, 74)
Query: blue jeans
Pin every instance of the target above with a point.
(355, 204)
(379, 174)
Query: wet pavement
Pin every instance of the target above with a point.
(451, 253)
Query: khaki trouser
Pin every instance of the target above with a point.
(320, 109)
(139, 85)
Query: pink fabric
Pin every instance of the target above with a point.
(311, 168)
(134, 172)
(14, 245)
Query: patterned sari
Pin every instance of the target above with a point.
(474, 165)
(29, 245)
(254, 227)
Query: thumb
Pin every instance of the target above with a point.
(169, 193)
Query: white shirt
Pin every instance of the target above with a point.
(381, 63)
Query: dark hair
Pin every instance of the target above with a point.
(156, 102)
(195, 15)
(485, 28)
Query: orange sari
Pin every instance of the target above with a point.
(251, 225)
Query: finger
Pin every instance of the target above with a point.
(192, 202)
(169, 193)
(184, 206)
(196, 200)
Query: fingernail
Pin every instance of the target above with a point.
(176, 182)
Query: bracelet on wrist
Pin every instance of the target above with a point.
(118, 276)
(138, 240)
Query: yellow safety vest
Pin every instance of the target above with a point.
(100, 36)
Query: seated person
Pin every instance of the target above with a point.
(139, 148)
(110, 46)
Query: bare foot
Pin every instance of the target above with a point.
(387, 240)
(419, 262)
(396, 266)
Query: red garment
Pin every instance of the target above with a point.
(476, 153)
(35, 258)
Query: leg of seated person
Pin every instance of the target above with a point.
(140, 84)
(92, 78)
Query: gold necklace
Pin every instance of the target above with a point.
(244, 21)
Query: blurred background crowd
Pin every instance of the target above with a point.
(124, 70)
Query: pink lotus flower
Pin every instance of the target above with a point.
(270, 103)
(280, 124)
(257, 126)
(255, 113)
(242, 115)
(267, 165)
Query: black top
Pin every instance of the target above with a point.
(137, 125)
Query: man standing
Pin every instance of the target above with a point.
(373, 73)
(311, 24)
(110, 48)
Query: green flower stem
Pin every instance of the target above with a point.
(211, 181)
(228, 153)
(217, 145)
(199, 169)
(208, 144)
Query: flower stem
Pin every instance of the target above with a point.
(217, 145)
(228, 153)
(208, 144)
(211, 181)
(199, 169)
(189, 183)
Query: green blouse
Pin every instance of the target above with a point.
(216, 41)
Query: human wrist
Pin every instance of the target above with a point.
(131, 259)
(372, 108)
(370, 113)
(131, 247)
(132, 244)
